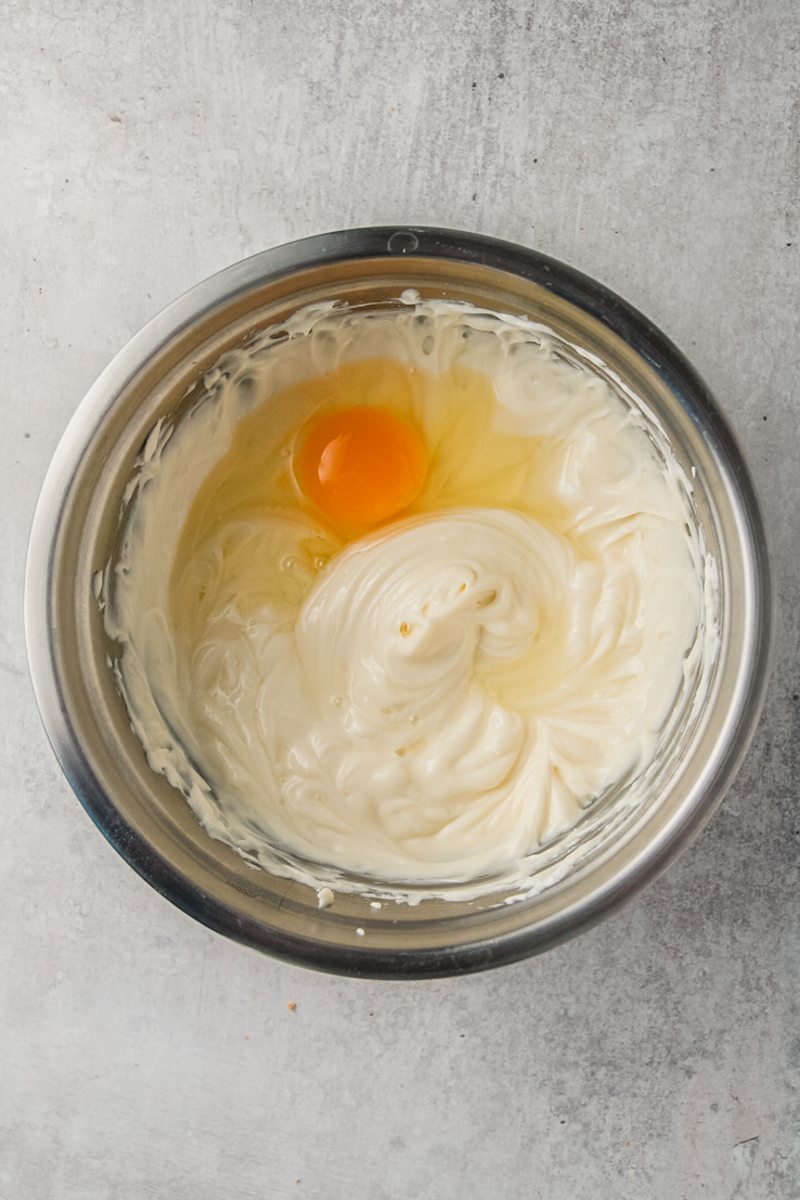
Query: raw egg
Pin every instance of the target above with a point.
(361, 465)
(360, 445)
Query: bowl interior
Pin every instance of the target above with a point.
(78, 526)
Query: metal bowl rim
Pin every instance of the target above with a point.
(356, 244)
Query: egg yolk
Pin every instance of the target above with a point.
(361, 465)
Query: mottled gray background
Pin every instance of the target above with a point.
(147, 144)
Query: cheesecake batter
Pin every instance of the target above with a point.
(428, 695)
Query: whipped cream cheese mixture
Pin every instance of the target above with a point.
(424, 662)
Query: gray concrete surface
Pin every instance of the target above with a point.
(655, 145)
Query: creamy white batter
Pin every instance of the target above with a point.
(446, 696)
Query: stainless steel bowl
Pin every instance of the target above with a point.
(76, 527)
